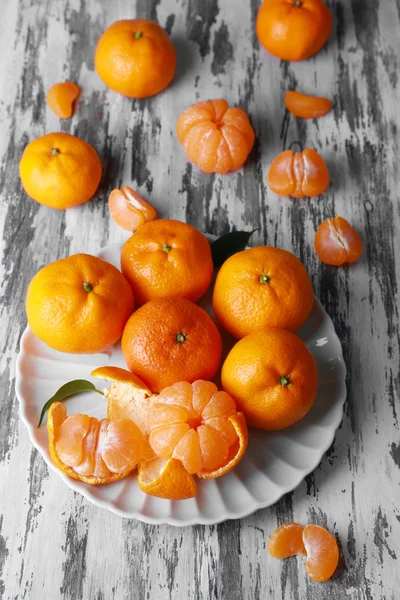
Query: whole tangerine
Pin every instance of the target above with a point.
(169, 340)
(167, 259)
(273, 378)
(293, 29)
(79, 304)
(262, 287)
(60, 170)
(136, 58)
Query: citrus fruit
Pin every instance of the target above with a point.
(322, 552)
(306, 107)
(166, 259)
(61, 97)
(215, 137)
(287, 541)
(272, 377)
(298, 174)
(262, 287)
(60, 171)
(79, 304)
(166, 478)
(336, 242)
(293, 29)
(169, 340)
(93, 451)
(129, 210)
(199, 426)
(135, 58)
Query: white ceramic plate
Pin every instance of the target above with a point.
(274, 464)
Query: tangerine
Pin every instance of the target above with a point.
(129, 210)
(298, 174)
(215, 137)
(136, 58)
(60, 171)
(336, 242)
(273, 378)
(262, 287)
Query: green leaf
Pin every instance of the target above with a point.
(229, 244)
(68, 389)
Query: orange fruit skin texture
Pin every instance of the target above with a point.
(243, 304)
(293, 29)
(68, 177)
(215, 137)
(287, 541)
(166, 259)
(90, 450)
(151, 348)
(198, 425)
(137, 67)
(252, 374)
(322, 552)
(171, 480)
(69, 319)
(298, 174)
(336, 242)
(306, 107)
(129, 210)
(61, 97)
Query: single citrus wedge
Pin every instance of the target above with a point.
(90, 450)
(306, 107)
(129, 210)
(322, 552)
(287, 541)
(198, 425)
(61, 97)
(128, 398)
(166, 478)
(336, 242)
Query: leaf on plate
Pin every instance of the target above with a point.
(76, 386)
(229, 244)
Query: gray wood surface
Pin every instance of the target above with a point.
(53, 543)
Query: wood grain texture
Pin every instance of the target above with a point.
(53, 544)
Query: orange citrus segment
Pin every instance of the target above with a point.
(322, 552)
(90, 450)
(164, 439)
(188, 451)
(61, 97)
(287, 541)
(129, 210)
(214, 447)
(336, 242)
(166, 479)
(306, 107)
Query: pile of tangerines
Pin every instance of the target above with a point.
(165, 416)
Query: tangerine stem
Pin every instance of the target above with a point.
(180, 337)
(87, 287)
(298, 3)
(167, 249)
(284, 380)
(264, 279)
(138, 35)
(55, 152)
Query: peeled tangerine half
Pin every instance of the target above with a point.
(318, 544)
(129, 210)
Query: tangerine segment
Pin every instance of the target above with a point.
(215, 137)
(129, 210)
(298, 174)
(286, 541)
(93, 451)
(198, 425)
(61, 97)
(166, 478)
(322, 552)
(306, 107)
(336, 242)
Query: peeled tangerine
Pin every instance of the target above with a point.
(316, 542)
(336, 242)
(298, 174)
(129, 210)
(91, 450)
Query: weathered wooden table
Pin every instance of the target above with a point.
(53, 543)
